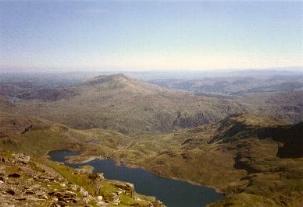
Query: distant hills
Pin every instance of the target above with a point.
(130, 106)
(125, 104)
(240, 84)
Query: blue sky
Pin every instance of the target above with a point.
(145, 35)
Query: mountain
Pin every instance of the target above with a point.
(129, 106)
(248, 146)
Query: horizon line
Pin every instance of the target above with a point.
(5, 69)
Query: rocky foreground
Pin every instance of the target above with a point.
(26, 181)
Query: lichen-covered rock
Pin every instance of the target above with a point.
(22, 158)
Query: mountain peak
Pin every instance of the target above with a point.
(107, 78)
(121, 81)
(119, 77)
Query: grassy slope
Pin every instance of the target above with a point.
(44, 136)
(272, 179)
(240, 156)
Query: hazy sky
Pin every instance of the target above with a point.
(144, 35)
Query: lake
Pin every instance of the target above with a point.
(172, 193)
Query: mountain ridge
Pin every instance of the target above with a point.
(129, 105)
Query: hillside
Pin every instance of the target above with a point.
(34, 180)
(260, 157)
(261, 160)
(253, 159)
(31, 181)
(281, 105)
(5, 105)
(271, 155)
(274, 94)
(128, 105)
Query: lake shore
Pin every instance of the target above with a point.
(80, 159)
(145, 181)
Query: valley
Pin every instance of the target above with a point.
(249, 147)
(151, 103)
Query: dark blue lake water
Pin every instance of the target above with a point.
(172, 193)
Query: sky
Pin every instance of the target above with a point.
(150, 35)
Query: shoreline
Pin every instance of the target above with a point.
(78, 160)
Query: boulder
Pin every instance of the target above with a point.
(22, 158)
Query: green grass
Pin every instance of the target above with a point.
(245, 200)
(75, 178)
